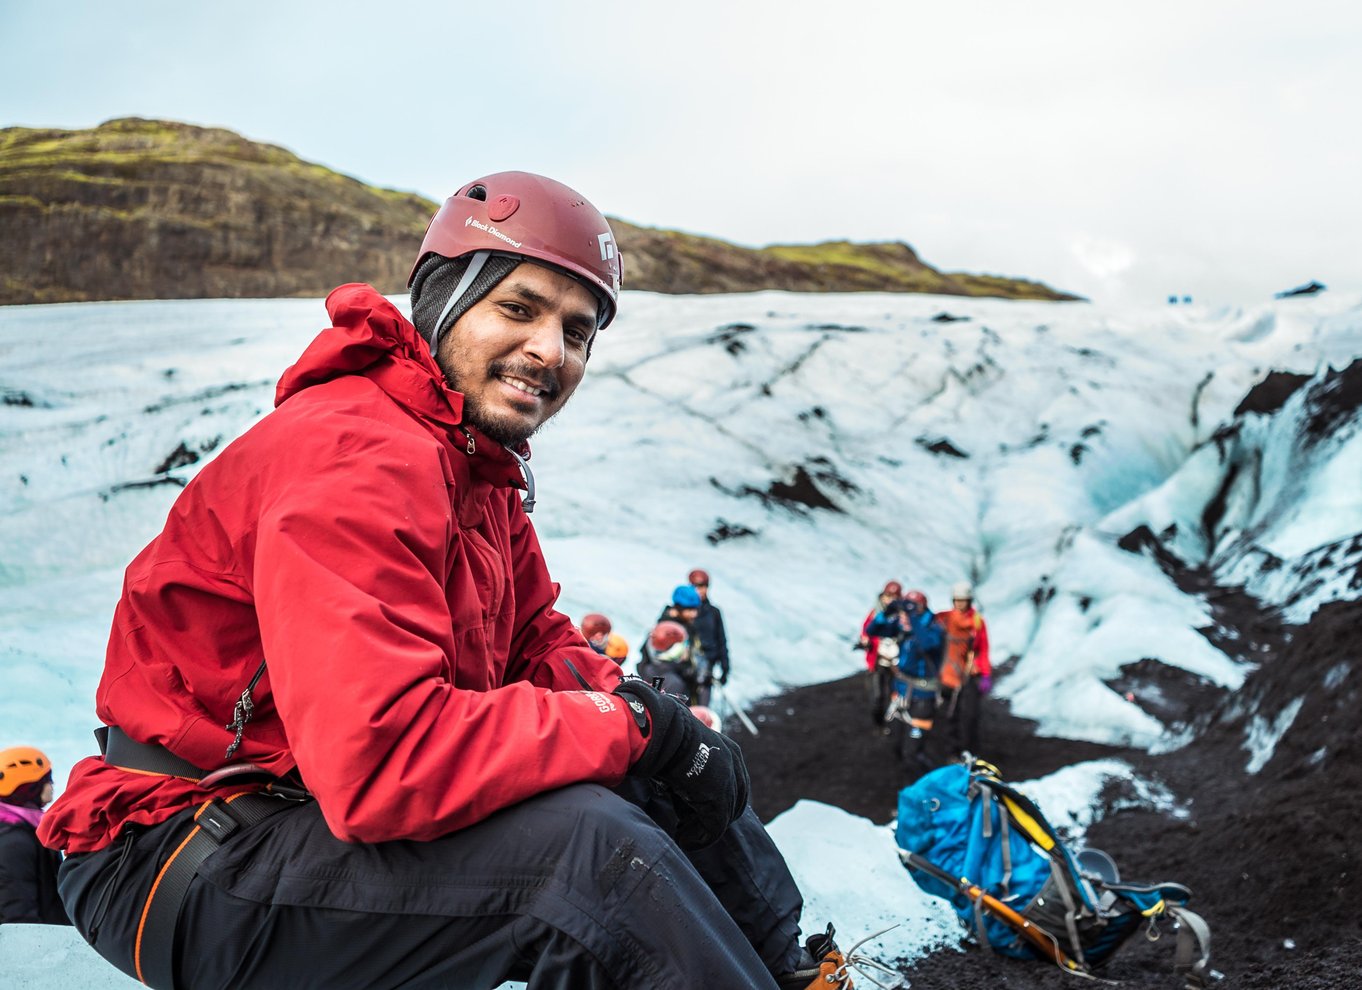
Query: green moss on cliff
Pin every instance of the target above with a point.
(140, 208)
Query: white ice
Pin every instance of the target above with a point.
(1078, 424)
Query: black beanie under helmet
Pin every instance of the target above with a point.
(436, 279)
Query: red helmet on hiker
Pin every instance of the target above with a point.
(698, 577)
(594, 624)
(667, 634)
(706, 715)
(917, 598)
(533, 217)
(893, 589)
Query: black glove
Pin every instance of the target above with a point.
(895, 607)
(723, 676)
(703, 769)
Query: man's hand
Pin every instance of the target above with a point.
(703, 769)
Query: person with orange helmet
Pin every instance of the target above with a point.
(339, 702)
(28, 871)
(617, 648)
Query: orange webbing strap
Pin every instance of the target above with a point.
(151, 897)
(154, 952)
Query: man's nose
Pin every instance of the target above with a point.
(545, 342)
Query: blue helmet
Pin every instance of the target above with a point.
(685, 596)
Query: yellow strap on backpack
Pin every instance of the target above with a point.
(1029, 825)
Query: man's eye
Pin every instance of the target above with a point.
(515, 309)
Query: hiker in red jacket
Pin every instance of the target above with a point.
(966, 674)
(351, 742)
(881, 656)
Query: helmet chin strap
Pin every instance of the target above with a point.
(473, 270)
(528, 501)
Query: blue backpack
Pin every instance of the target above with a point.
(966, 836)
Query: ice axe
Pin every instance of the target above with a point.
(742, 715)
(955, 694)
(1042, 940)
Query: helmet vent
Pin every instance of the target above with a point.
(478, 192)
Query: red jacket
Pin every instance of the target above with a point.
(416, 666)
(966, 646)
(872, 649)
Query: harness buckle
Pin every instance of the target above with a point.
(218, 821)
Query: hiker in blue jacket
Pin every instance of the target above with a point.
(921, 640)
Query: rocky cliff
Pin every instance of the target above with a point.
(144, 209)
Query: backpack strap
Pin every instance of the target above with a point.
(1193, 959)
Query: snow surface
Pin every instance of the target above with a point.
(1076, 425)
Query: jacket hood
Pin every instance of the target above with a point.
(371, 338)
(368, 332)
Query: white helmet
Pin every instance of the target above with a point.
(962, 591)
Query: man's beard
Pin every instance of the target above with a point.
(507, 431)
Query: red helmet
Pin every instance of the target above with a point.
(667, 634)
(893, 588)
(698, 576)
(917, 598)
(528, 215)
(706, 715)
(594, 624)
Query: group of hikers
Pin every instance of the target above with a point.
(686, 651)
(925, 669)
(347, 739)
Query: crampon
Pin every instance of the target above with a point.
(823, 966)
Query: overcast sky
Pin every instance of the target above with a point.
(1124, 151)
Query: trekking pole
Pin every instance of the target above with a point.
(742, 715)
(1038, 937)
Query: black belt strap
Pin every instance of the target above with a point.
(121, 750)
(214, 823)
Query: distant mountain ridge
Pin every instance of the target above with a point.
(153, 209)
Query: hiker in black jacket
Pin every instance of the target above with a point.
(28, 872)
(709, 627)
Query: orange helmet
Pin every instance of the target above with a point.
(594, 624)
(22, 765)
(616, 648)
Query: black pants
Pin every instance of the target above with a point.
(576, 889)
(964, 721)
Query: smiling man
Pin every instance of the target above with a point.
(349, 742)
